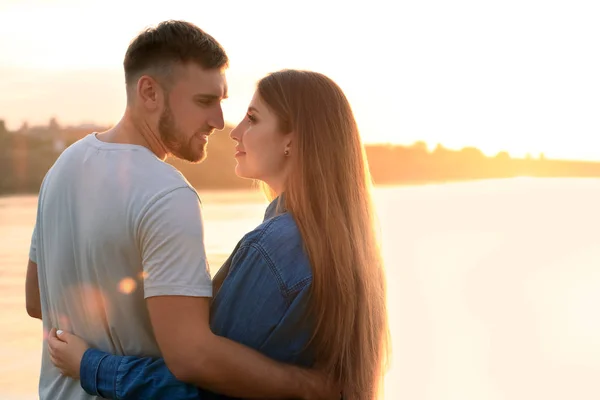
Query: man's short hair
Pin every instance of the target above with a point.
(157, 49)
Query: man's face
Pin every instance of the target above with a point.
(192, 111)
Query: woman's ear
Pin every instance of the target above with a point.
(288, 142)
(288, 149)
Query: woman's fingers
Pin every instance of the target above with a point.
(54, 347)
(55, 362)
(66, 351)
(63, 336)
(54, 343)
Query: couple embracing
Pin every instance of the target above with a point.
(298, 310)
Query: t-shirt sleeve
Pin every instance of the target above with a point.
(171, 235)
(33, 245)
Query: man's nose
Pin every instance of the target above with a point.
(217, 121)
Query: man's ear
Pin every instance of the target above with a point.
(149, 92)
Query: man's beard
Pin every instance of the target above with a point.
(171, 138)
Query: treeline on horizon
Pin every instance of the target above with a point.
(25, 159)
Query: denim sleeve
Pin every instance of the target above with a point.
(129, 377)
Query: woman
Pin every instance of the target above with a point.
(300, 140)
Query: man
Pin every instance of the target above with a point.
(117, 254)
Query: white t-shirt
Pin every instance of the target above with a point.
(115, 225)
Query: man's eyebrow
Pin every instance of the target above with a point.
(210, 96)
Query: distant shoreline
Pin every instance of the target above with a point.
(255, 195)
(26, 157)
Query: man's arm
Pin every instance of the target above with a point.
(252, 305)
(195, 355)
(220, 366)
(32, 291)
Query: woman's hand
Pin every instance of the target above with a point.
(66, 351)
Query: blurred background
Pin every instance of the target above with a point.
(480, 120)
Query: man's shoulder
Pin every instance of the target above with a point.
(136, 160)
(166, 177)
(151, 179)
(177, 204)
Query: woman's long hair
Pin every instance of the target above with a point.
(328, 192)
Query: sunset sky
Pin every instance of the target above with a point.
(516, 75)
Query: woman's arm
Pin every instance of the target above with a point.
(128, 377)
(116, 377)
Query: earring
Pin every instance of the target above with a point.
(287, 153)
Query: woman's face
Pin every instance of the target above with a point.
(262, 150)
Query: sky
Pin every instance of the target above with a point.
(515, 75)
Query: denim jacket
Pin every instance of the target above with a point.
(261, 304)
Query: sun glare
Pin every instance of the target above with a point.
(127, 286)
